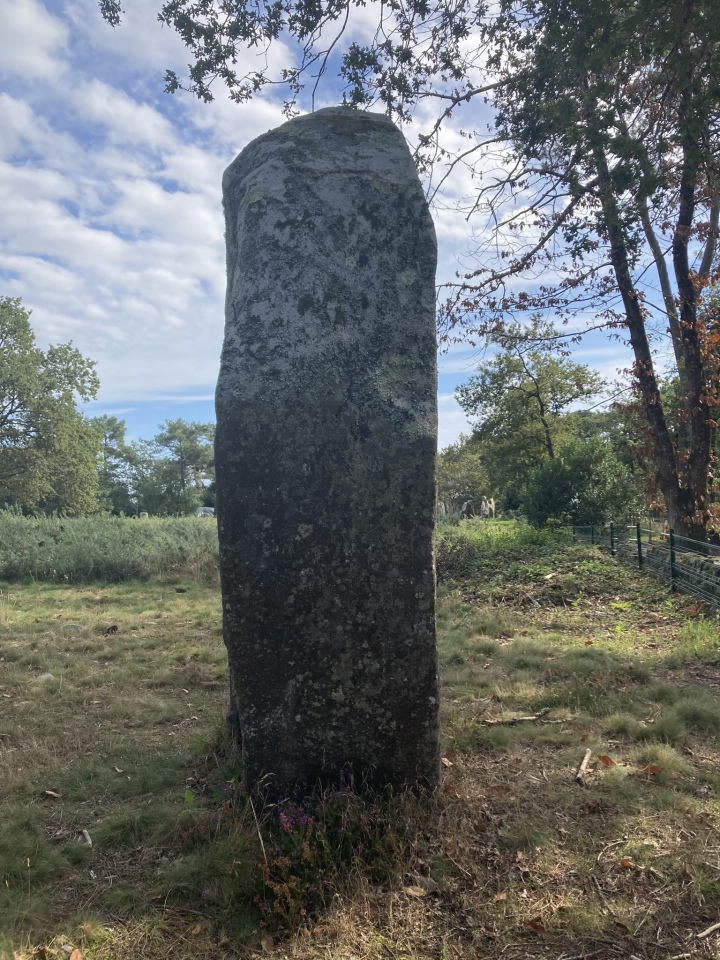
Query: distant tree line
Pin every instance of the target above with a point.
(544, 443)
(170, 475)
(54, 459)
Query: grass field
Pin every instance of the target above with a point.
(106, 549)
(112, 698)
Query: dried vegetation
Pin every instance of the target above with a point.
(547, 650)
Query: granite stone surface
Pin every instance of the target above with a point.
(325, 454)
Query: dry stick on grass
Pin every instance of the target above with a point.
(509, 721)
(583, 768)
(583, 956)
(706, 933)
(459, 867)
(615, 843)
(602, 895)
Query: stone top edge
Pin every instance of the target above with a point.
(391, 136)
(346, 112)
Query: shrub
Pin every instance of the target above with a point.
(106, 548)
(584, 484)
(462, 549)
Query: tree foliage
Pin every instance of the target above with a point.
(47, 448)
(114, 466)
(612, 111)
(596, 183)
(172, 474)
(519, 402)
(585, 484)
(55, 460)
(461, 475)
(539, 452)
(169, 475)
(414, 44)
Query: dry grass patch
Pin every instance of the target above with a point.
(510, 858)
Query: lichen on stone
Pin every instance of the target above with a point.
(325, 454)
(394, 376)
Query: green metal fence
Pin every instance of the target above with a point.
(684, 564)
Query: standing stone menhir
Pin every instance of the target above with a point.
(325, 454)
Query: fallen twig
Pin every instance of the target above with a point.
(637, 928)
(602, 895)
(579, 956)
(706, 933)
(582, 769)
(510, 721)
(614, 843)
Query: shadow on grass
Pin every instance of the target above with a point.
(511, 856)
(179, 853)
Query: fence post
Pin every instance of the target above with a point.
(592, 534)
(573, 533)
(612, 539)
(639, 545)
(673, 569)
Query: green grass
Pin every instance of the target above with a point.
(128, 738)
(105, 548)
(472, 545)
(698, 639)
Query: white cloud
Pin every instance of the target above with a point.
(451, 421)
(140, 42)
(230, 126)
(31, 40)
(112, 229)
(27, 135)
(123, 119)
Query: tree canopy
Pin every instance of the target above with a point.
(612, 111)
(169, 475)
(47, 448)
(173, 474)
(114, 466)
(590, 133)
(461, 475)
(585, 484)
(55, 460)
(518, 402)
(537, 448)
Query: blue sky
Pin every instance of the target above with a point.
(111, 227)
